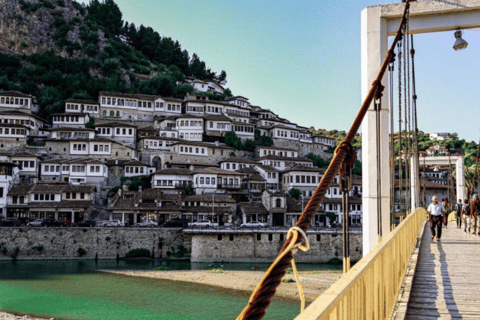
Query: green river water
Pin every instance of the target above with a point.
(74, 289)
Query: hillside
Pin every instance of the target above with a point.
(469, 149)
(59, 49)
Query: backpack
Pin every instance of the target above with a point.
(466, 208)
(459, 208)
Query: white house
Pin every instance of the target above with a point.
(14, 100)
(172, 179)
(71, 120)
(121, 132)
(9, 176)
(235, 163)
(91, 107)
(75, 171)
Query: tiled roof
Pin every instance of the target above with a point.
(294, 205)
(202, 144)
(253, 207)
(217, 117)
(159, 138)
(218, 198)
(79, 188)
(303, 168)
(24, 154)
(205, 209)
(174, 171)
(255, 176)
(115, 124)
(240, 160)
(15, 94)
(73, 129)
(217, 171)
(275, 157)
(81, 101)
(20, 113)
(20, 189)
(276, 148)
(205, 164)
(267, 168)
(135, 163)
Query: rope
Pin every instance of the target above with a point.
(292, 248)
(392, 148)
(262, 296)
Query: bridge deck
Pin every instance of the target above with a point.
(447, 280)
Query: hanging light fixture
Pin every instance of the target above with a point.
(459, 42)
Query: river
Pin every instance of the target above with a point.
(76, 289)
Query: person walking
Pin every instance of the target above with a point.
(435, 214)
(467, 221)
(475, 213)
(458, 214)
(446, 207)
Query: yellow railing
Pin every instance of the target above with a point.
(369, 289)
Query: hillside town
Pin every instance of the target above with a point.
(80, 165)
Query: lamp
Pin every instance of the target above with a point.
(459, 42)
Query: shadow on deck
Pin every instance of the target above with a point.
(447, 279)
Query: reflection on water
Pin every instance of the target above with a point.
(74, 289)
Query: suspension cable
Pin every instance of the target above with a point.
(408, 123)
(392, 146)
(405, 122)
(400, 53)
(343, 159)
(415, 119)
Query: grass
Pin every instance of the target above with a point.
(217, 270)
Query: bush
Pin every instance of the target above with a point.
(39, 248)
(138, 253)
(48, 4)
(107, 238)
(294, 193)
(81, 252)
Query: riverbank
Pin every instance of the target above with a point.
(8, 316)
(313, 282)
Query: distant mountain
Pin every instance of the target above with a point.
(60, 49)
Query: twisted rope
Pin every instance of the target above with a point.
(262, 295)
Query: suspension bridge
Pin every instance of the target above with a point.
(403, 274)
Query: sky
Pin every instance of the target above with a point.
(301, 59)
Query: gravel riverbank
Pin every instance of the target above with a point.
(8, 316)
(313, 282)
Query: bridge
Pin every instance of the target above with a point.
(404, 274)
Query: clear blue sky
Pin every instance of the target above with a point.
(301, 59)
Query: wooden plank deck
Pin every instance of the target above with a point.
(447, 280)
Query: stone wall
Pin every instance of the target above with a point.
(246, 247)
(303, 148)
(104, 242)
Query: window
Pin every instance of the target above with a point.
(202, 180)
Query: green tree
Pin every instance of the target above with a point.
(294, 193)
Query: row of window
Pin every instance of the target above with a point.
(191, 123)
(194, 109)
(101, 148)
(221, 126)
(244, 129)
(74, 195)
(16, 101)
(279, 153)
(25, 164)
(75, 168)
(191, 150)
(106, 131)
(76, 107)
(12, 131)
(238, 112)
(44, 197)
(234, 166)
(66, 119)
(134, 170)
(74, 135)
(157, 143)
(19, 121)
(191, 136)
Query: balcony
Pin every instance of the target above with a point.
(182, 185)
(229, 186)
(168, 129)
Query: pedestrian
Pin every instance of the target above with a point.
(435, 213)
(458, 215)
(475, 213)
(466, 216)
(446, 207)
